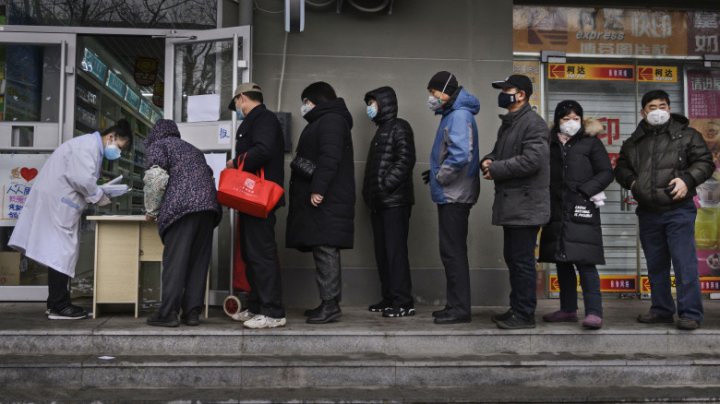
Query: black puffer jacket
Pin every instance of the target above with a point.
(654, 155)
(391, 157)
(579, 169)
(260, 139)
(326, 141)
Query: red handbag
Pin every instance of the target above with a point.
(248, 193)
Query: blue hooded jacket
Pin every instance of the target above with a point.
(454, 158)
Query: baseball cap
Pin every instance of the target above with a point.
(243, 88)
(518, 81)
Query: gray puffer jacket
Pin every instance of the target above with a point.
(521, 170)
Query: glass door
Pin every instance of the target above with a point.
(202, 70)
(35, 117)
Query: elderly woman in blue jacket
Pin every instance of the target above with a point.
(454, 186)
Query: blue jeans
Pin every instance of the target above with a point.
(519, 254)
(590, 283)
(670, 237)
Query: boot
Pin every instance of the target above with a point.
(313, 312)
(329, 312)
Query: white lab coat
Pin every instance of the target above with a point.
(47, 230)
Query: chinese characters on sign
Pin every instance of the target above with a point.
(17, 176)
(586, 71)
(609, 31)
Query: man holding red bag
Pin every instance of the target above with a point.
(259, 144)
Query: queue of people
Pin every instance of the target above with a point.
(547, 181)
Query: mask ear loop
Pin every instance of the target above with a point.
(446, 83)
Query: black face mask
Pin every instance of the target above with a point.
(505, 100)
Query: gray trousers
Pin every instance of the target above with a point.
(327, 272)
(186, 257)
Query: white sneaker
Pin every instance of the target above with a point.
(261, 321)
(243, 316)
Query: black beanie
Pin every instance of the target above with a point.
(565, 107)
(443, 80)
(318, 93)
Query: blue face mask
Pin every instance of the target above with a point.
(112, 151)
(239, 114)
(372, 111)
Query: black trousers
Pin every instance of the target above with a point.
(590, 283)
(519, 254)
(390, 232)
(58, 290)
(453, 229)
(259, 251)
(186, 257)
(328, 272)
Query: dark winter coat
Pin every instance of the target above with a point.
(260, 139)
(579, 169)
(326, 141)
(191, 187)
(388, 178)
(654, 155)
(521, 170)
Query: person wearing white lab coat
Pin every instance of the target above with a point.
(47, 230)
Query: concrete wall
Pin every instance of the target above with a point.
(356, 52)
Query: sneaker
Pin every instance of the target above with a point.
(243, 316)
(192, 318)
(561, 317)
(688, 324)
(158, 321)
(380, 306)
(592, 322)
(653, 318)
(398, 312)
(69, 312)
(515, 323)
(502, 316)
(261, 321)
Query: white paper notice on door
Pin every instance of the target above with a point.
(203, 108)
(17, 176)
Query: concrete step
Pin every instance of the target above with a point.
(480, 394)
(24, 330)
(357, 371)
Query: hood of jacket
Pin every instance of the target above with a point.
(163, 128)
(336, 106)
(386, 102)
(461, 100)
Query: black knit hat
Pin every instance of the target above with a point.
(565, 107)
(318, 92)
(443, 81)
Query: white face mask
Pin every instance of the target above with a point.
(570, 127)
(657, 117)
(305, 108)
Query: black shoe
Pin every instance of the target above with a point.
(156, 320)
(515, 323)
(69, 312)
(688, 324)
(329, 312)
(380, 306)
(502, 316)
(450, 318)
(192, 318)
(399, 312)
(654, 318)
(441, 312)
(312, 312)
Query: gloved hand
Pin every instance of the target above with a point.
(105, 200)
(426, 176)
